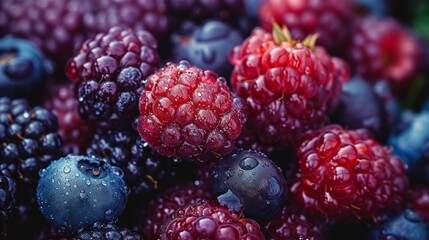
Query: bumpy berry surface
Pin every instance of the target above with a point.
(208, 221)
(406, 225)
(109, 72)
(293, 223)
(75, 133)
(361, 107)
(393, 53)
(92, 191)
(7, 200)
(145, 170)
(164, 206)
(188, 112)
(249, 181)
(288, 87)
(331, 19)
(107, 231)
(23, 69)
(206, 46)
(149, 15)
(54, 26)
(419, 202)
(346, 174)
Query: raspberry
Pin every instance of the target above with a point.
(109, 72)
(392, 54)
(292, 223)
(72, 129)
(331, 19)
(346, 174)
(164, 206)
(207, 221)
(54, 26)
(289, 86)
(188, 112)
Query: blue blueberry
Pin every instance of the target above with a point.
(76, 191)
(23, 69)
(252, 7)
(247, 180)
(406, 225)
(206, 46)
(373, 7)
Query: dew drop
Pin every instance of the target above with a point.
(42, 172)
(228, 174)
(117, 171)
(83, 195)
(240, 173)
(76, 174)
(66, 169)
(68, 184)
(248, 163)
(183, 65)
(109, 214)
(88, 182)
(104, 183)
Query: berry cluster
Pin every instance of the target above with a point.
(220, 119)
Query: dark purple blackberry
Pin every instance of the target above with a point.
(54, 26)
(7, 201)
(206, 46)
(109, 73)
(107, 231)
(23, 69)
(149, 15)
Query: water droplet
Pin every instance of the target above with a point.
(228, 174)
(221, 79)
(67, 193)
(67, 169)
(248, 163)
(183, 65)
(109, 214)
(240, 173)
(42, 172)
(117, 171)
(52, 180)
(104, 183)
(76, 174)
(83, 195)
(88, 182)
(68, 184)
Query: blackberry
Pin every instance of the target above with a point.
(107, 231)
(109, 72)
(7, 201)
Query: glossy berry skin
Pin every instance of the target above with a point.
(406, 225)
(206, 46)
(419, 201)
(23, 69)
(330, 19)
(107, 231)
(165, 205)
(7, 201)
(361, 107)
(209, 221)
(289, 88)
(109, 72)
(76, 191)
(188, 112)
(393, 54)
(293, 223)
(249, 181)
(411, 145)
(346, 174)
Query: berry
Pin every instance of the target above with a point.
(107, 231)
(54, 26)
(371, 7)
(406, 225)
(208, 221)
(346, 174)
(188, 112)
(72, 129)
(91, 191)
(23, 69)
(248, 180)
(419, 202)
(206, 46)
(361, 107)
(109, 72)
(292, 223)
(145, 171)
(392, 53)
(289, 86)
(7, 201)
(164, 206)
(330, 19)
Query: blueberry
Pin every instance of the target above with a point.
(247, 180)
(76, 191)
(406, 225)
(23, 69)
(206, 46)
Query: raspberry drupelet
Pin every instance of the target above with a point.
(109, 74)
(289, 86)
(346, 174)
(188, 112)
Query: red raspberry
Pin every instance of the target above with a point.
(206, 221)
(382, 49)
(188, 112)
(164, 206)
(331, 19)
(289, 86)
(346, 174)
(109, 72)
(419, 202)
(293, 223)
